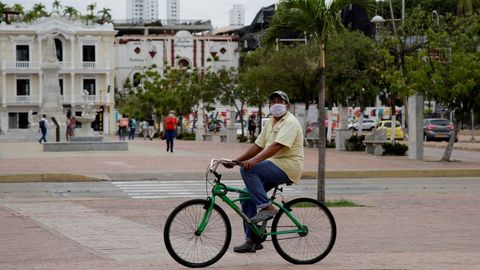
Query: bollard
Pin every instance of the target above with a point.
(57, 129)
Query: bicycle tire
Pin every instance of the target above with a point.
(189, 249)
(316, 244)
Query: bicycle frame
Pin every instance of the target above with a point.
(220, 190)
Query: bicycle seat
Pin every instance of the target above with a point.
(289, 183)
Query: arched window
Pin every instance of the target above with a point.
(183, 63)
(59, 49)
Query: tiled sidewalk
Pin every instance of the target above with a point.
(432, 231)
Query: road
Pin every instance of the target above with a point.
(197, 188)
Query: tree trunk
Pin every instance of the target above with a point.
(321, 127)
(449, 149)
(241, 121)
(305, 120)
(259, 119)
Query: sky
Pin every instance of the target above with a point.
(215, 10)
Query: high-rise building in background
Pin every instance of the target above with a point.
(142, 10)
(173, 11)
(237, 15)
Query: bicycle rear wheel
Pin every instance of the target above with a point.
(316, 243)
(193, 250)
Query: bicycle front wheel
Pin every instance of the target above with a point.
(190, 249)
(313, 245)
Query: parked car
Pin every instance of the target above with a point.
(437, 129)
(368, 124)
(387, 124)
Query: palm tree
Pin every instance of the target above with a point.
(91, 8)
(2, 7)
(18, 8)
(40, 10)
(57, 6)
(90, 16)
(37, 11)
(70, 11)
(105, 14)
(317, 20)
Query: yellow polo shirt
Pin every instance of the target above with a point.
(288, 132)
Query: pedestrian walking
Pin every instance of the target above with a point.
(151, 128)
(122, 128)
(144, 127)
(132, 124)
(43, 126)
(252, 126)
(170, 124)
(69, 126)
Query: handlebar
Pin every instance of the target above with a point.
(215, 162)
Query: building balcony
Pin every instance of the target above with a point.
(20, 66)
(66, 99)
(22, 100)
(77, 67)
(78, 99)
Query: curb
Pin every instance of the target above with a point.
(48, 177)
(395, 173)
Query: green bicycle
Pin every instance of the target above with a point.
(198, 232)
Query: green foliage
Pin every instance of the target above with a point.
(231, 93)
(355, 143)
(395, 149)
(56, 5)
(452, 77)
(242, 138)
(186, 136)
(105, 15)
(37, 11)
(291, 69)
(349, 74)
(330, 144)
(341, 203)
(70, 11)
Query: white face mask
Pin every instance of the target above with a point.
(278, 110)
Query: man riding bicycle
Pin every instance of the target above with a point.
(275, 158)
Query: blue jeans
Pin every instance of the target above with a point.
(170, 134)
(131, 136)
(258, 181)
(44, 134)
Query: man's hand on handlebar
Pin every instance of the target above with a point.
(230, 164)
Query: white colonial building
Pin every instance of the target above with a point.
(183, 49)
(87, 62)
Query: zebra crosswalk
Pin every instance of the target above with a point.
(181, 189)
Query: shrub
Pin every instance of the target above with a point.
(186, 136)
(330, 144)
(355, 143)
(395, 149)
(242, 139)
